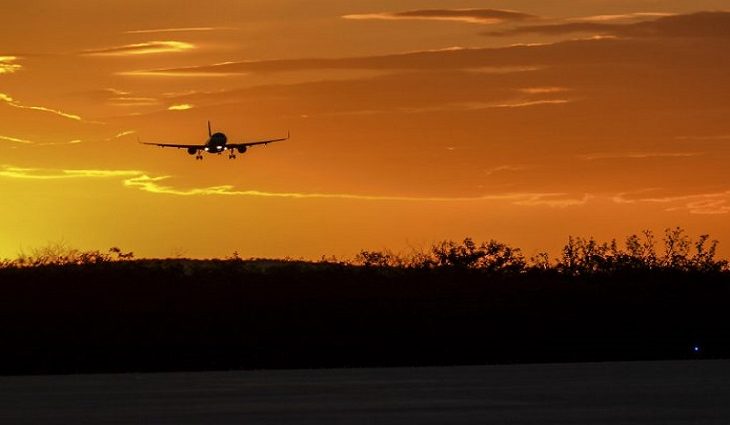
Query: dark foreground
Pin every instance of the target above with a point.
(163, 316)
(662, 393)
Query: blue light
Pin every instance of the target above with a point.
(696, 348)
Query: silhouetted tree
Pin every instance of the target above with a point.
(374, 259)
(585, 256)
(60, 254)
(489, 256)
(540, 261)
(676, 249)
(704, 258)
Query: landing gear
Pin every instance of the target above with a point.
(199, 156)
(232, 154)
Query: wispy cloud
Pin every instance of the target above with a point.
(115, 92)
(15, 140)
(133, 101)
(502, 60)
(701, 24)
(123, 133)
(8, 65)
(180, 107)
(638, 155)
(554, 201)
(15, 104)
(706, 206)
(181, 29)
(504, 168)
(622, 17)
(526, 103)
(474, 16)
(542, 90)
(41, 174)
(181, 72)
(146, 48)
(488, 60)
(456, 106)
(70, 142)
(155, 184)
(117, 97)
(698, 203)
(30, 142)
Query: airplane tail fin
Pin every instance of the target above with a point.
(210, 133)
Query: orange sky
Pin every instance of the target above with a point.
(411, 121)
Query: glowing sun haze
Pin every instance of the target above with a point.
(412, 121)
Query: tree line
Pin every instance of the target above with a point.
(674, 251)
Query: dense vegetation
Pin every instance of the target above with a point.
(65, 311)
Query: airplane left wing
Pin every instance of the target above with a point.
(172, 145)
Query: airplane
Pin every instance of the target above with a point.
(217, 143)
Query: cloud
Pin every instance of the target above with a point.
(710, 203)
(706, 206)
(543, 90)
(638, 155)
(422, 60)
(622, 17)
(181, 29)
(503, 168)
(561, 28)
(41, 174)
(123, 133)
(611, 48)
(116, 92)
(70, 142)
(554, 201)
(15, 104)
(154, 184)
(701, 24)
(146, 48)
(8, 65)
(474, 16)
(180, 107)
(30, 142)
(116, 97)
(133, 101)
(454, 106)
(525, 103)
(181, 72)
(15, 140)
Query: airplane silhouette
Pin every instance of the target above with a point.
(217, 143)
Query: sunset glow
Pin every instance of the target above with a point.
(411, 122)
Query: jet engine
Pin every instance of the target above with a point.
(241, 149)
(192, 151)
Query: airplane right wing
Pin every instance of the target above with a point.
(257, 142)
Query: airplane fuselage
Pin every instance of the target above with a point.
(216, 143)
